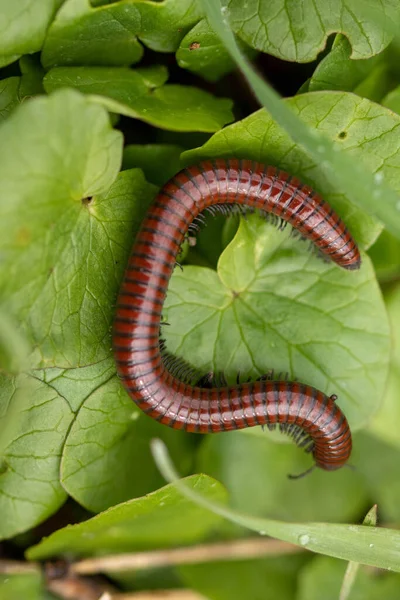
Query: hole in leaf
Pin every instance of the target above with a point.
(87, 200)
(342, 135)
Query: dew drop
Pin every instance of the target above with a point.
(378, 177)
(262, 532)
(304, 539)
(371, 545)
(162, 503)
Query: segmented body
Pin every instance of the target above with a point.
(139, 360)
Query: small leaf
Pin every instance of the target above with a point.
(23, 27)
(202, 52)
(267, 291)
(141, 95)
(337, 71)
(159, 162)
(298, 32)
(14, 90)
(159, 520)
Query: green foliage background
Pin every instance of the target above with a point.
(90, 127)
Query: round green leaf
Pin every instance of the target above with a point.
(106, 458)
(23, 27)
(141, 95)
(273, 305)
(159, 162)
(202, 52)
(327, 574)
(366, 131)
(34, 421)
(254, 471)
(337, 71)
(298, 31)
(108, 35)
(159, 520)
(64, 243)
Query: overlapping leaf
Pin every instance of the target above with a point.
(141, 95)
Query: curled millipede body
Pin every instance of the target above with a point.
(312, 418)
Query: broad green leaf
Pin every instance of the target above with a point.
(141, 95)
(82, 35)
(344, 172)
(15, 90)
(255, 472)
(159, 162)
(266, 579)
(23, 26)
(341, 117)
(387, 422)
(71, 238)
(106, 458)
(298, 31)
(34, 419)
(159, 520)
(15, 586)
(323, 326)
(326, 574)
(202, 52)
(379, 547)
(108, 35)
(385, 256)
(337, 71)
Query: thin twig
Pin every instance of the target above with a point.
(238, 549)
(15, 567)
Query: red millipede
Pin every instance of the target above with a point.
(311, 417)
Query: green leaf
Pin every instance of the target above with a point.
(26, 585)
(71, 238)
(337, 71)
(159, 520)
(106, 458)
(15, 90)
(202, 52)
(23, 27)
(268, 579)
(255, 472)
(387, 422)
(367, 545)
(266, 293)
(140, 94)
(364, 189)
(326, 574)
(108, 35)
(260, 138)
(34, 421)
(159, 162)
(298, 31)
(82, 35)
